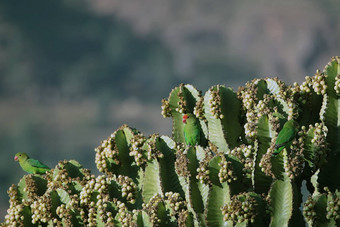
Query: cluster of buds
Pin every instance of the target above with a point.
(182, 218)
(182, 103)
(199, 108)
(337, 84)
(265, 163)
(181, 106)
(36, 206)
(180, 147)
(138, 149)
(92, 214)
(300, 93)
(152, 208)
(86, 192)
(320, 135)
(319, 83)
(242, 152)
(102, 183)
(247, 95)
(275, 126)
(274, 120)
(333, 205)
(143, 149)
(102, 205)
(129, 188)
(284, 92)
(124, 216)
(177, 204)
(151, 148)
(74, 202)
(61, 211)
(61, 177)
(292, 109)
(212, 148)
(250, 129)
(32, 187)
(246, 155)
(262, 107)
(215, 103)
(294, 162)
(181, 164)
(203, 171)
(253, 107)
(250, 125)
(109, 217)
(65, 216)
(306, 86)
(226, 173)
(41, 209)
(242, 207)
(14, 215)
(107, 150)
(295, 90)
(308, 209)
(319, 143)
(166, 110)
(95, 187)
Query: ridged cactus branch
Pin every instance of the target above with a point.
(222, 111)
(182, 99)
(331, 116)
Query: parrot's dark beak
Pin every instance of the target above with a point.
(15, 158)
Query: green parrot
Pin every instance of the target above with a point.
(192, 129)
(286, 136)
(30, 165)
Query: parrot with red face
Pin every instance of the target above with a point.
(30, 165)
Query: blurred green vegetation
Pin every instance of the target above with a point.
(72, 71)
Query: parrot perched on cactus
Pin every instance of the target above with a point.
(192, 129)
(286, 136)
(30, 165)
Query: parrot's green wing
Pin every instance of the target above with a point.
(192, 130)
(192, 134)
(286, 135)
(36, 163)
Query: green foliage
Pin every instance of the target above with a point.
(231, 180)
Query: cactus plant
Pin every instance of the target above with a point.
(232, 179)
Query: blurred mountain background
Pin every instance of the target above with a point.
(72, 72)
